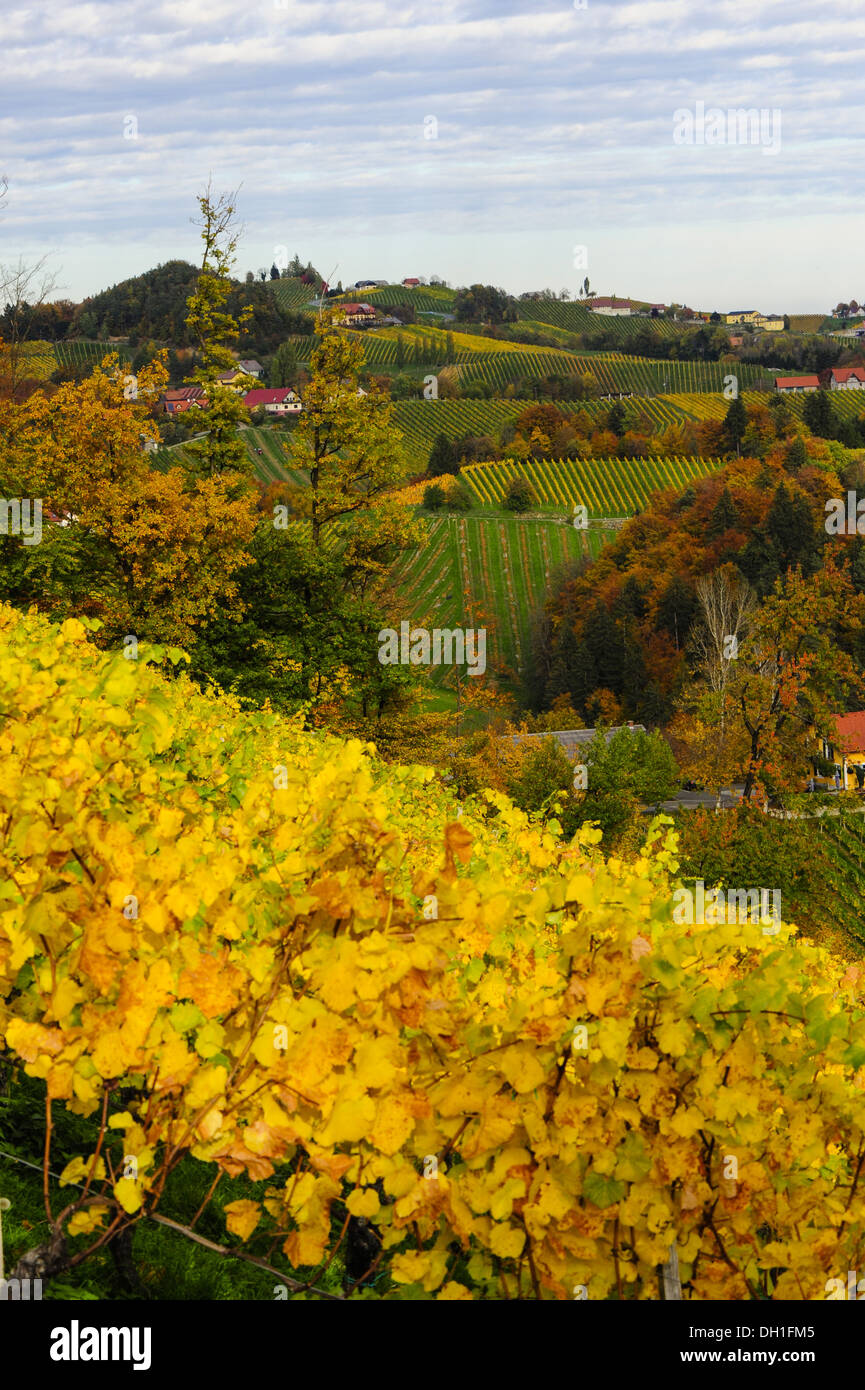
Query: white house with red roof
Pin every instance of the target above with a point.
(359, 315)
(797, 383)
(847, 379)
(620, 308)
(276, 400)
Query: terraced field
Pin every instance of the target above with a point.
(606, 487)
(486, 572)
(576, 318)
(421, 421)
(291, 294)
(640, 376)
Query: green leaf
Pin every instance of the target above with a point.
(601, 1190)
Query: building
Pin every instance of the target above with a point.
(180, 398)
(357, 315)
(251, 367)
(847, 379)
(411, 283)
(743, 316)
(619, 308)
(770, 323)
(797, 383)
(236, 378)
(276, 400)
(365, 284)
(847, 747)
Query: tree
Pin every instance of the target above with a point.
(796, 456)
(150, 554)
(274, 272)
(735, 423)
(616, 419)
(433, 498)
(346, 441)
(282, 370)
(484, 304)
(625, 770)
(724, 516)
(213, 328)
(519, 496)
(23, 289)
(443, 457)
(818, 414)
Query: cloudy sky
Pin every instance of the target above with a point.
(472, 139)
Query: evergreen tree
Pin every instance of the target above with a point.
(819, 414)
(735, 423)
(796, 456)
(724, 515)
(603, 639)
(616, 419)
(564, 666)
(282, 369)
(443, 457)
(675, 610)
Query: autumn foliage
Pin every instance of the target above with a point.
(223, 936)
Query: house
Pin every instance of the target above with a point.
(357, 315)
(572, 740)
(365, 284)
(180, 398)
(235, 378)
(736, 340)
(650, 310)
(276, 400)
(846, 748)
(770, 323)
(411, 283)
(743, 316)
(251, 367)
(847, 379)
(620, 308)
(797, 383)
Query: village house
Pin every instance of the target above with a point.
(358, 315)
(619, 308)
(276, 400)
(251, 367)
(411, 283)
(180, 398)
(847, 746)
(236, 378)
(365, 284)
(797, 383)
(847, 379)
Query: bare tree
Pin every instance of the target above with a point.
(23, 288)
(728, 609)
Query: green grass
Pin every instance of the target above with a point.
(169, 1265)
(493, 571)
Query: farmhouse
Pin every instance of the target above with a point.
(847, 745)
(236, 377)
(180, 398)
(358, 315)
(620, 308)
(251, 367)
(365, 284)
(411, 283)
(276, 400)
(797, 383)
(847, 379)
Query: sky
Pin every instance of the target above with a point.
(524, 143)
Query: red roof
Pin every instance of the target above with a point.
(411, 281)
(613, 304)
(797, 381)
(358, 309)
(183, 393)
(850, 731)
(267, 395)
(845, 373)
